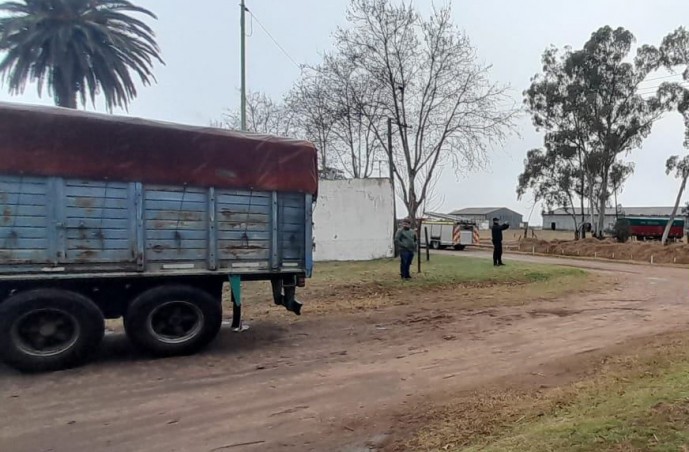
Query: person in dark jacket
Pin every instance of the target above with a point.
(405, 239)
(496, 233)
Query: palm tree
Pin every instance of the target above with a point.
(78, 48)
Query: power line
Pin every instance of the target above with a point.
(650, 89)
(663, 77)
(277, 44)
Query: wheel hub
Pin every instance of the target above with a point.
(48, 329)
(45, 332)
(175, 322)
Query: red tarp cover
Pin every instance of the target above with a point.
(48, 141)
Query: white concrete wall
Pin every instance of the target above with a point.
(353, 220)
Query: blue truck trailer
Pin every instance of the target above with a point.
(104, 217)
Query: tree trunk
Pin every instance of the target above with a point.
(580, 230)
(65, 96)
(668, 226)
(602, 204)
(601, 216)
(591, 209)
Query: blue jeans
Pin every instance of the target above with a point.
(406, 259)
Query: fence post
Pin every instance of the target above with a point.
(418, 247)
(428, 248)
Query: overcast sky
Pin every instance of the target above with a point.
(200, 80)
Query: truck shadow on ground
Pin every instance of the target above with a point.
(117, 350)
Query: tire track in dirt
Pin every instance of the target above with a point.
(325, 384)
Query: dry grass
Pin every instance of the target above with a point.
(676, 253)
(636, 401)
(359, 286)
(514, 235)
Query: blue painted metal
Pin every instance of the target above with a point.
(274, 231)
(98, 226)
(308, 235)
(212, 231)
(236, 288)
(179, 210)
(56, 199)
(131, 212)
(52, 220)
(140, 228)
(75, 226)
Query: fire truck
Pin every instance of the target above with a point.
(457, 234)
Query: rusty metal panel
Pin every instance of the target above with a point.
(24, 235)
(243, 227)
(98, 223)
(212, 230)
(176, 225)
(308, 234)
(75, 226)
(274, 232)
(46, 141)
(292, 213)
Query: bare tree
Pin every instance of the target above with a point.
(309, 101)
(263, 115)
(335, 106)
(356, 106)
(444, 108)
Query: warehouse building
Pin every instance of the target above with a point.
(484, 215)
(561, 219)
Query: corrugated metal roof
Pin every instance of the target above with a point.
(480, 211)
(628, 211)
(444, 216)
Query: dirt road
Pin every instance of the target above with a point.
(325, 384)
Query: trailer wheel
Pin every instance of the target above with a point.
(173, 320)
(460, 247)
(49, 329)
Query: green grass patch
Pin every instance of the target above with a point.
(634, 402)
(439, 271)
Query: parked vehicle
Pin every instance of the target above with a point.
(647, 228)
(452, 234)
(106, 217)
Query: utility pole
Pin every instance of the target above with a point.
(392, 184)
(242, 20)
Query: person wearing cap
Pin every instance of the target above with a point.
(496, 233)
(405, 239)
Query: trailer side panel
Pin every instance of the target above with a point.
(76, 226)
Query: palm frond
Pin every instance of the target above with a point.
(83, 48)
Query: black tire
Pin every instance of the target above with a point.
(173, 320)
(460, 247)
(49, 329)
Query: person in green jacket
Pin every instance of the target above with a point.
(405, 239)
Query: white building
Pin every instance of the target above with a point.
(561, 219)
(353, 220)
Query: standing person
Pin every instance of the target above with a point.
(405, 239)
(496, 233)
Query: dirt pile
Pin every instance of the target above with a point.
(677, 253)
